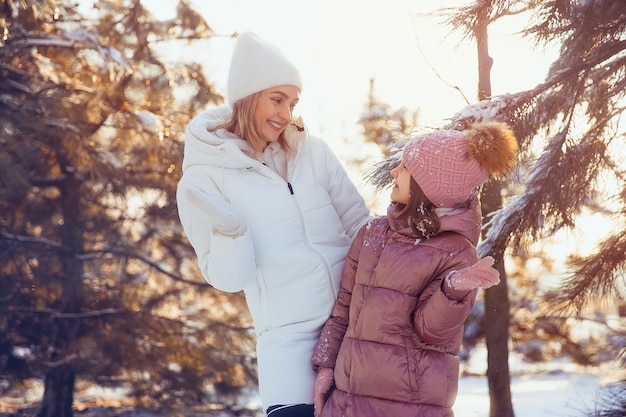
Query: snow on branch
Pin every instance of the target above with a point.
(78, 39)
(498, 108)
(525, 212)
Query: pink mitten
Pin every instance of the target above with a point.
(479, 275)
(324, 381)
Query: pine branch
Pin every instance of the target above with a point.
(31, 240)
(59, 314)
(127, 252)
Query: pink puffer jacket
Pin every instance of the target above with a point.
(394, 336)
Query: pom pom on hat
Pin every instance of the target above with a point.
(257, 65)
(448, 164)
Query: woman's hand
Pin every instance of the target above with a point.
(226, 221)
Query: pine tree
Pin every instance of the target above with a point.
(98, 280)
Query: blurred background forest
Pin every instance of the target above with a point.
(100, 287)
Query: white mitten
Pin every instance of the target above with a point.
(324, 381)
(226, 221)
(479, 275)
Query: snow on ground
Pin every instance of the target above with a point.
(554, 389)
(566, 392)
(552, 394)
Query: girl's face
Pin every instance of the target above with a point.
(274, 109)
(401, 185)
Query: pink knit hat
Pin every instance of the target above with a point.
(448, 164)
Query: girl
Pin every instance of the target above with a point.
(390, 346)
(269, 210)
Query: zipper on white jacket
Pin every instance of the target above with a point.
(288, 183)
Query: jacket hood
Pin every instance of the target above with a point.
(204, 145)
(465, 221)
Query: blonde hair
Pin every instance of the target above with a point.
(241, 123)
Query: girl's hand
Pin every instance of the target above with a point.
(323, 383)
(479, 275)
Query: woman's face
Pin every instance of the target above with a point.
(274, 109)
(401, 185)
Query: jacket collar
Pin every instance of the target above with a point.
(463, 220)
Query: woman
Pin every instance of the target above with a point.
(269, 210)
(390, 346)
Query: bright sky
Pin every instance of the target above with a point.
(339, 45)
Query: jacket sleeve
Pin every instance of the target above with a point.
(226, 263)
(327, 349)
(438, 320)
(346, 199)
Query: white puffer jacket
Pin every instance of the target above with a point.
(290, 260)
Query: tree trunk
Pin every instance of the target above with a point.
(58, 393)
(58, 397)
(496, 323)
(496, 319)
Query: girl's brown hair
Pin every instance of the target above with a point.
(420, 212)
(241, 123)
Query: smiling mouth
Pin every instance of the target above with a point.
(275, 125)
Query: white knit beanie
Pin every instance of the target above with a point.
(257, 65)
